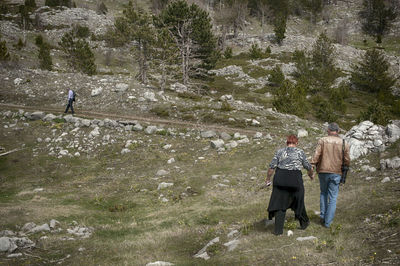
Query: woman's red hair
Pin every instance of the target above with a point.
(292, 139)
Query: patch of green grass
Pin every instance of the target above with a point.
(255, 71)
(161, 110)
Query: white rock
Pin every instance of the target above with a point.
(226, 97)
(306, 238)
(28, 226)
(385, 180)
(255, 122)
(15, 255)
(367, 168)
(178, 87)
(258, 135)
(137, 127)
(63, 152)
(225, 136)
(40, 228)
(172, 160)
(54, 223)
(201, 252)
(162, 172)
(94, 133)
(7, 245)
(244, 140)
(159, 263)
(167, 146)
(96, 91)
(121, 87)
(203, 255)
(301, 133)
(163, 185)
(49, 117)
(217, 143)
(289, 233)
(77, 154)
(231, 245)
(150, 129)
(125, 151)
(150, 96)
(208, 134)
(17, 81)
(233, 233)
(38, 190)
(232, 144)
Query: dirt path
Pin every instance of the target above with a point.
(100, 115)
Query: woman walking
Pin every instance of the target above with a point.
(288, 188)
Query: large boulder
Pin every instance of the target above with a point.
(393, 132)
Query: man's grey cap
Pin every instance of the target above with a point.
(333, 127)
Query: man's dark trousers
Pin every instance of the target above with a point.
(70, 102)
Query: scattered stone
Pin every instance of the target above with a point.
(15, 255)
(94, 133)
(216, 144)
(178, 87)
(258, 135)
(243, 140)
(162, 172)
(208, 134)
(233, 233)
(163, 185)
(38, 190)
(96, 91)
(306, 238)
(255, 122)
(125, 151)
(6, 233)
(232, 144)
(49, 117)
(150, 96)
(203, 252)
(150, 129)
(137, 127)
(37, 115)
(17, 81)
(385, 180)
(226, 97)
(28, 226)
(6, 245)
(367, 168)
(121, 87)
(159, 263)
(167, 146)
(368, 178)
(83, 232)
(301, 133)
(393, 163)
(54, 223)
(231, 245)
(40, 228)
(225, 136)
(63, 152)
(172, 160)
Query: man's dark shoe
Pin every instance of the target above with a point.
(322, 221)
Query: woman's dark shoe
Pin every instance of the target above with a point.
(303, 226)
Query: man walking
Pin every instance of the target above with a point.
(71, 99)
(328, 158)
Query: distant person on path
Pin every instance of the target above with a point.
(71, 99)
(328, 158)
(288, 188)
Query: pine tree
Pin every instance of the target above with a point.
(277, 77)
(44, 57)
(322, 60)
(78, 53)
(137, 26)
(290, 98)
(371, 75)
(377, 18)
(191, 29)
(280, 27)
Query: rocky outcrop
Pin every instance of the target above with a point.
(367, 137)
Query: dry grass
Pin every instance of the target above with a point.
(133, 227)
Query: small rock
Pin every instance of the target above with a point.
(159, 263)
(15, 255)
(301, 133)
(385, 180)
(40, 228)
(208, 134)
(258, 135)
(125, 151)
(150, 129)
(172, 160)
(163, 185)
(306, 238)
(231, 245)
(289, 233)
(7, 245)
(233, 233)
(225, 136)
(96, 91)
(54, 223)
(162, 172)
(217, 143)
